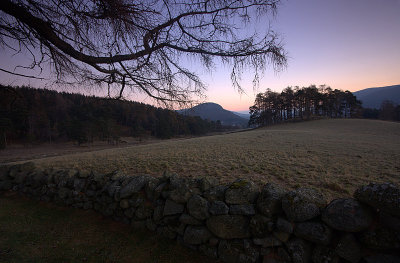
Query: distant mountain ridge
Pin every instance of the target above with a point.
(373, 97)
(243, 114)
(214, 112)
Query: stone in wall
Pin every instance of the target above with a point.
(196, 235)
(216, 193)
(241, 192)
(299, 250)
(349, 248)
(198, 207)
(315, 232)
(229, 226)
(218, 208)
(381, 238)
(134, 186)
(385, 197)
(303, 204)
(172, 208)
(261, 226)
(269, 202)
(322, 254)
(347, 215)
(237, 251)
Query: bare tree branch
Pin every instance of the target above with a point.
(140, 44)
(21, 75)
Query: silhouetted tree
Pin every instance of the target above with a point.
(387, 110)
(141, 45)
(302, 103)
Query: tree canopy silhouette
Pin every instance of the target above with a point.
(302, 104)
(141, 45)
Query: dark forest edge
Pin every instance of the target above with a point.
(307, 103)
(29, 115)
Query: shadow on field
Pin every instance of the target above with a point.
(34, 231)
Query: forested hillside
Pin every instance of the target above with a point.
(40, 115)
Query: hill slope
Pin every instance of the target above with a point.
(214, 112)
(42, 115)
(373, 97)
(243, 114)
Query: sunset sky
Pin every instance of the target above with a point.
(346, 44)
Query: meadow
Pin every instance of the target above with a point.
(333, 155)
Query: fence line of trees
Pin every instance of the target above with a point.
(388, 111)
(302, 103)
(38, 115)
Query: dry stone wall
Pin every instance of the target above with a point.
(234, 223)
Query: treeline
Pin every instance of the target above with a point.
(302, 104)
(388, 111)
(40, 115)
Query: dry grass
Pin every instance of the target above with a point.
(336, 156)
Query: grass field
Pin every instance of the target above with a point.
(335, 155)
(32, 231)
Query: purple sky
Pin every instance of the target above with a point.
(346, 44)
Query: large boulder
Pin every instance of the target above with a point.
(303, 204)
(385, 197)
(314, 231)
(136, 184)
(347, 215)
(348, 248)
(198, 207)
(196, 235)
(269, 202)
(229, 226)
(241, 192)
